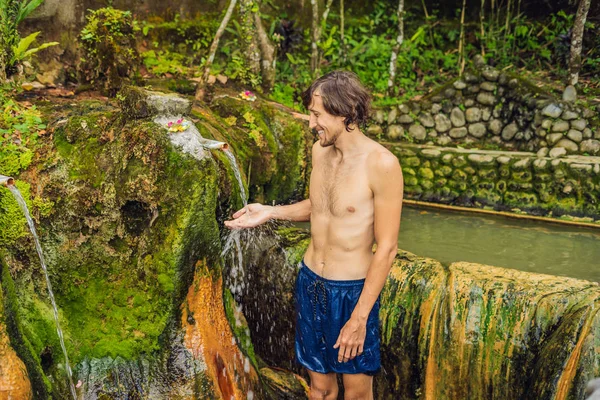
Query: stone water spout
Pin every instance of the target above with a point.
(6, 180)
(213, 144)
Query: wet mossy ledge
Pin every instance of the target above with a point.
(520, 182)
(124, 217)
(463, 331)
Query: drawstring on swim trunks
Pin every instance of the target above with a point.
(316, 288)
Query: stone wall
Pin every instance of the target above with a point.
(501, 180)
(492, 109)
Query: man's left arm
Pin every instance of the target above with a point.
(387, 184)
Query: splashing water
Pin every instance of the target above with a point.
(38, 247)
(236, 283)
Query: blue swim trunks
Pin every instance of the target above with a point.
(323, 306)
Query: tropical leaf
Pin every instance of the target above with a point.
(24, 43)
(35, 50)
(27, 8)
(22, 50)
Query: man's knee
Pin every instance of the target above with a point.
(358, 387)
(323, 392)
(357, 393)
(323, 386)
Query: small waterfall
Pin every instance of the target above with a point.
(236, 282)
(38, 247)
(238, 176)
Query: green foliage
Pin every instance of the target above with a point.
(190, 37)
(20, 126)
(13, 225)
(109, 44)
(254, 130)
(12, 48)
(164, 62)
(22, 50)
(284, 94)
(428, 55)
(534, 44)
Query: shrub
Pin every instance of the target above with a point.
(109, 45)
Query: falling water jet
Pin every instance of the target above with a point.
(9, 183)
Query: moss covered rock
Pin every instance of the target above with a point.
(124, 217)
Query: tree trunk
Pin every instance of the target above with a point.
(213, 50)
(481, 19)
(428, 21)
(397, 46)
(268, 58)
(314, 52)
(461, 40)
(317, 28)
(577, 41)
(249, 38)
(342, 40)
(506, 24)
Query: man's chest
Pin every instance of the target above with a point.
(340, 191)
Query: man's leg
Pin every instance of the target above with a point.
(358, 387)
(323, 386)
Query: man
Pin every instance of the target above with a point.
(356, 190)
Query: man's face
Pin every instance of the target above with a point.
(327, 127)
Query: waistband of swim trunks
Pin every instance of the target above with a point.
(331, 282)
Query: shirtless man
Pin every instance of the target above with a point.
(356, 189)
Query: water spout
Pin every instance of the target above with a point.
(6, 180)
(213, 144)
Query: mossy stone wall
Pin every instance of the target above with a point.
(517, 181)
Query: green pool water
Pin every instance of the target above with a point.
(533, 246)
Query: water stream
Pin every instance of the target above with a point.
(38, 247)
(233, 239)
(238, 175)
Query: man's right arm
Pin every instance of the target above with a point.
(294, 212)
(256, 214)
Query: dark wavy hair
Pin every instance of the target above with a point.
(343, 95)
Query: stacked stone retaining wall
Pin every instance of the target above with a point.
(488, 108)
(501, 180)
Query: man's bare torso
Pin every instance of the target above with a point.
(342, 216)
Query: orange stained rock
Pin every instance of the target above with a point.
(209, 337)
(14, 382)
(568, 375)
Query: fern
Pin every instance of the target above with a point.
(22, 50)
(12, 13)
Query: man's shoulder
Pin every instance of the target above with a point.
(382, 167)
(381, 158)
